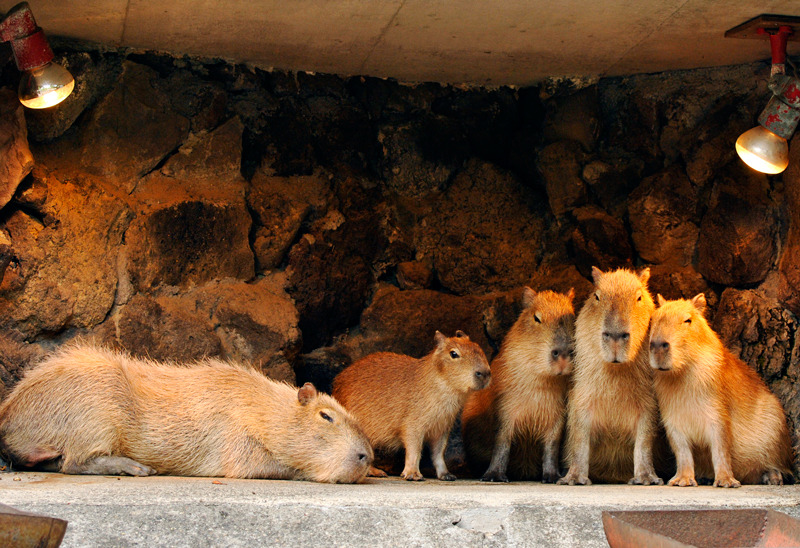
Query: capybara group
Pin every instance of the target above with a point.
(89, 410)
(612, 412)
(720, 417)
(517, 423)
(402, 402)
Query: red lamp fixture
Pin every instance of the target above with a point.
(765, 148)
(43, 82)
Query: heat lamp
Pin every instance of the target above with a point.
(765, 148)
(43, 82)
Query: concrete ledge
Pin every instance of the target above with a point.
(197, 512)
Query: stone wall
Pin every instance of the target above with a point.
(181, 208)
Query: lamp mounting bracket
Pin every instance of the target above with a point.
(765, 24)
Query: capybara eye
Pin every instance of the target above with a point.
(325, 416)
(639, 298)
(454, 354)
(537, 318)
(687, 320)
(596, 296)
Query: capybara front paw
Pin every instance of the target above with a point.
(683, 481)
(495, 476)
(412, 476)
(647, 478)
(376, 473)
(574, 479)
(447, 476)
(726, 481)
(550, 477)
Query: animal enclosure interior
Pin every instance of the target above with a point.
(179, 208)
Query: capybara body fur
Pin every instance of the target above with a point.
(721, 419)
(611, 409)
(92, 410)
(402, 402)
(515, 426)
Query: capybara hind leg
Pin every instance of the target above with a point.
(437, 455)
(376, 473)
(109, 466)
(772, 477)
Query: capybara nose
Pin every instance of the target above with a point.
(654, 346)
(616, 336)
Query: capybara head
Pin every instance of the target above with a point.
(546, 327)
(332, 448)
(618, 313)
(676, 327)
(461, 362)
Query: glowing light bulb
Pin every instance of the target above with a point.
(762, 150)
(45, 86)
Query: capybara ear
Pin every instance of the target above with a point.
(528, 295)
(571, 293)
(439, 338)
(596, 274)
(306, 393)
(661, 300)
(644, 275)
(699, 302)
(461, 335)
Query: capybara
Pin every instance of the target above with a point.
(611, 410)
(402, 402)
(720, 417)
(516, 424)
(90, 410)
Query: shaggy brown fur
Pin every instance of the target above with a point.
(402, 402)
(89, 410)
(516, 424)
(612, 411)
(715, 408)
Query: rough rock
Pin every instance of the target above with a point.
(131, 129)
(561, 165)
(16, 158)
(789, 266)
(476, 245)
(681, 282)
(330, 267)
(573, 117)
(16, 356)
(737, 240)
(192, 223)
(63, 271)
(758, 330)
(280, 206)
(414, 275)
(599, 240)
(661, 211)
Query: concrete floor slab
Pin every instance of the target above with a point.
(206, 512)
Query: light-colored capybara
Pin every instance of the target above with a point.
(90, 410)
(720, 417)
(403, 402)
(516, 424)
(611, 410)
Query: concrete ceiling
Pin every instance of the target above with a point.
(457, 41)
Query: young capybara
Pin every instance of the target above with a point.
(89, 410)
(516, 424)
(402, 402)
(611, 409)
(714, 407)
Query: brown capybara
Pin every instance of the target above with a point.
(720, 417)
(89, 410)
(611, 410)
(516, 424)
(403, 402)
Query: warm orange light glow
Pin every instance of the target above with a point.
(762, 150)
(45, 86)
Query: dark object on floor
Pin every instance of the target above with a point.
(701, 528)
(23, 529)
